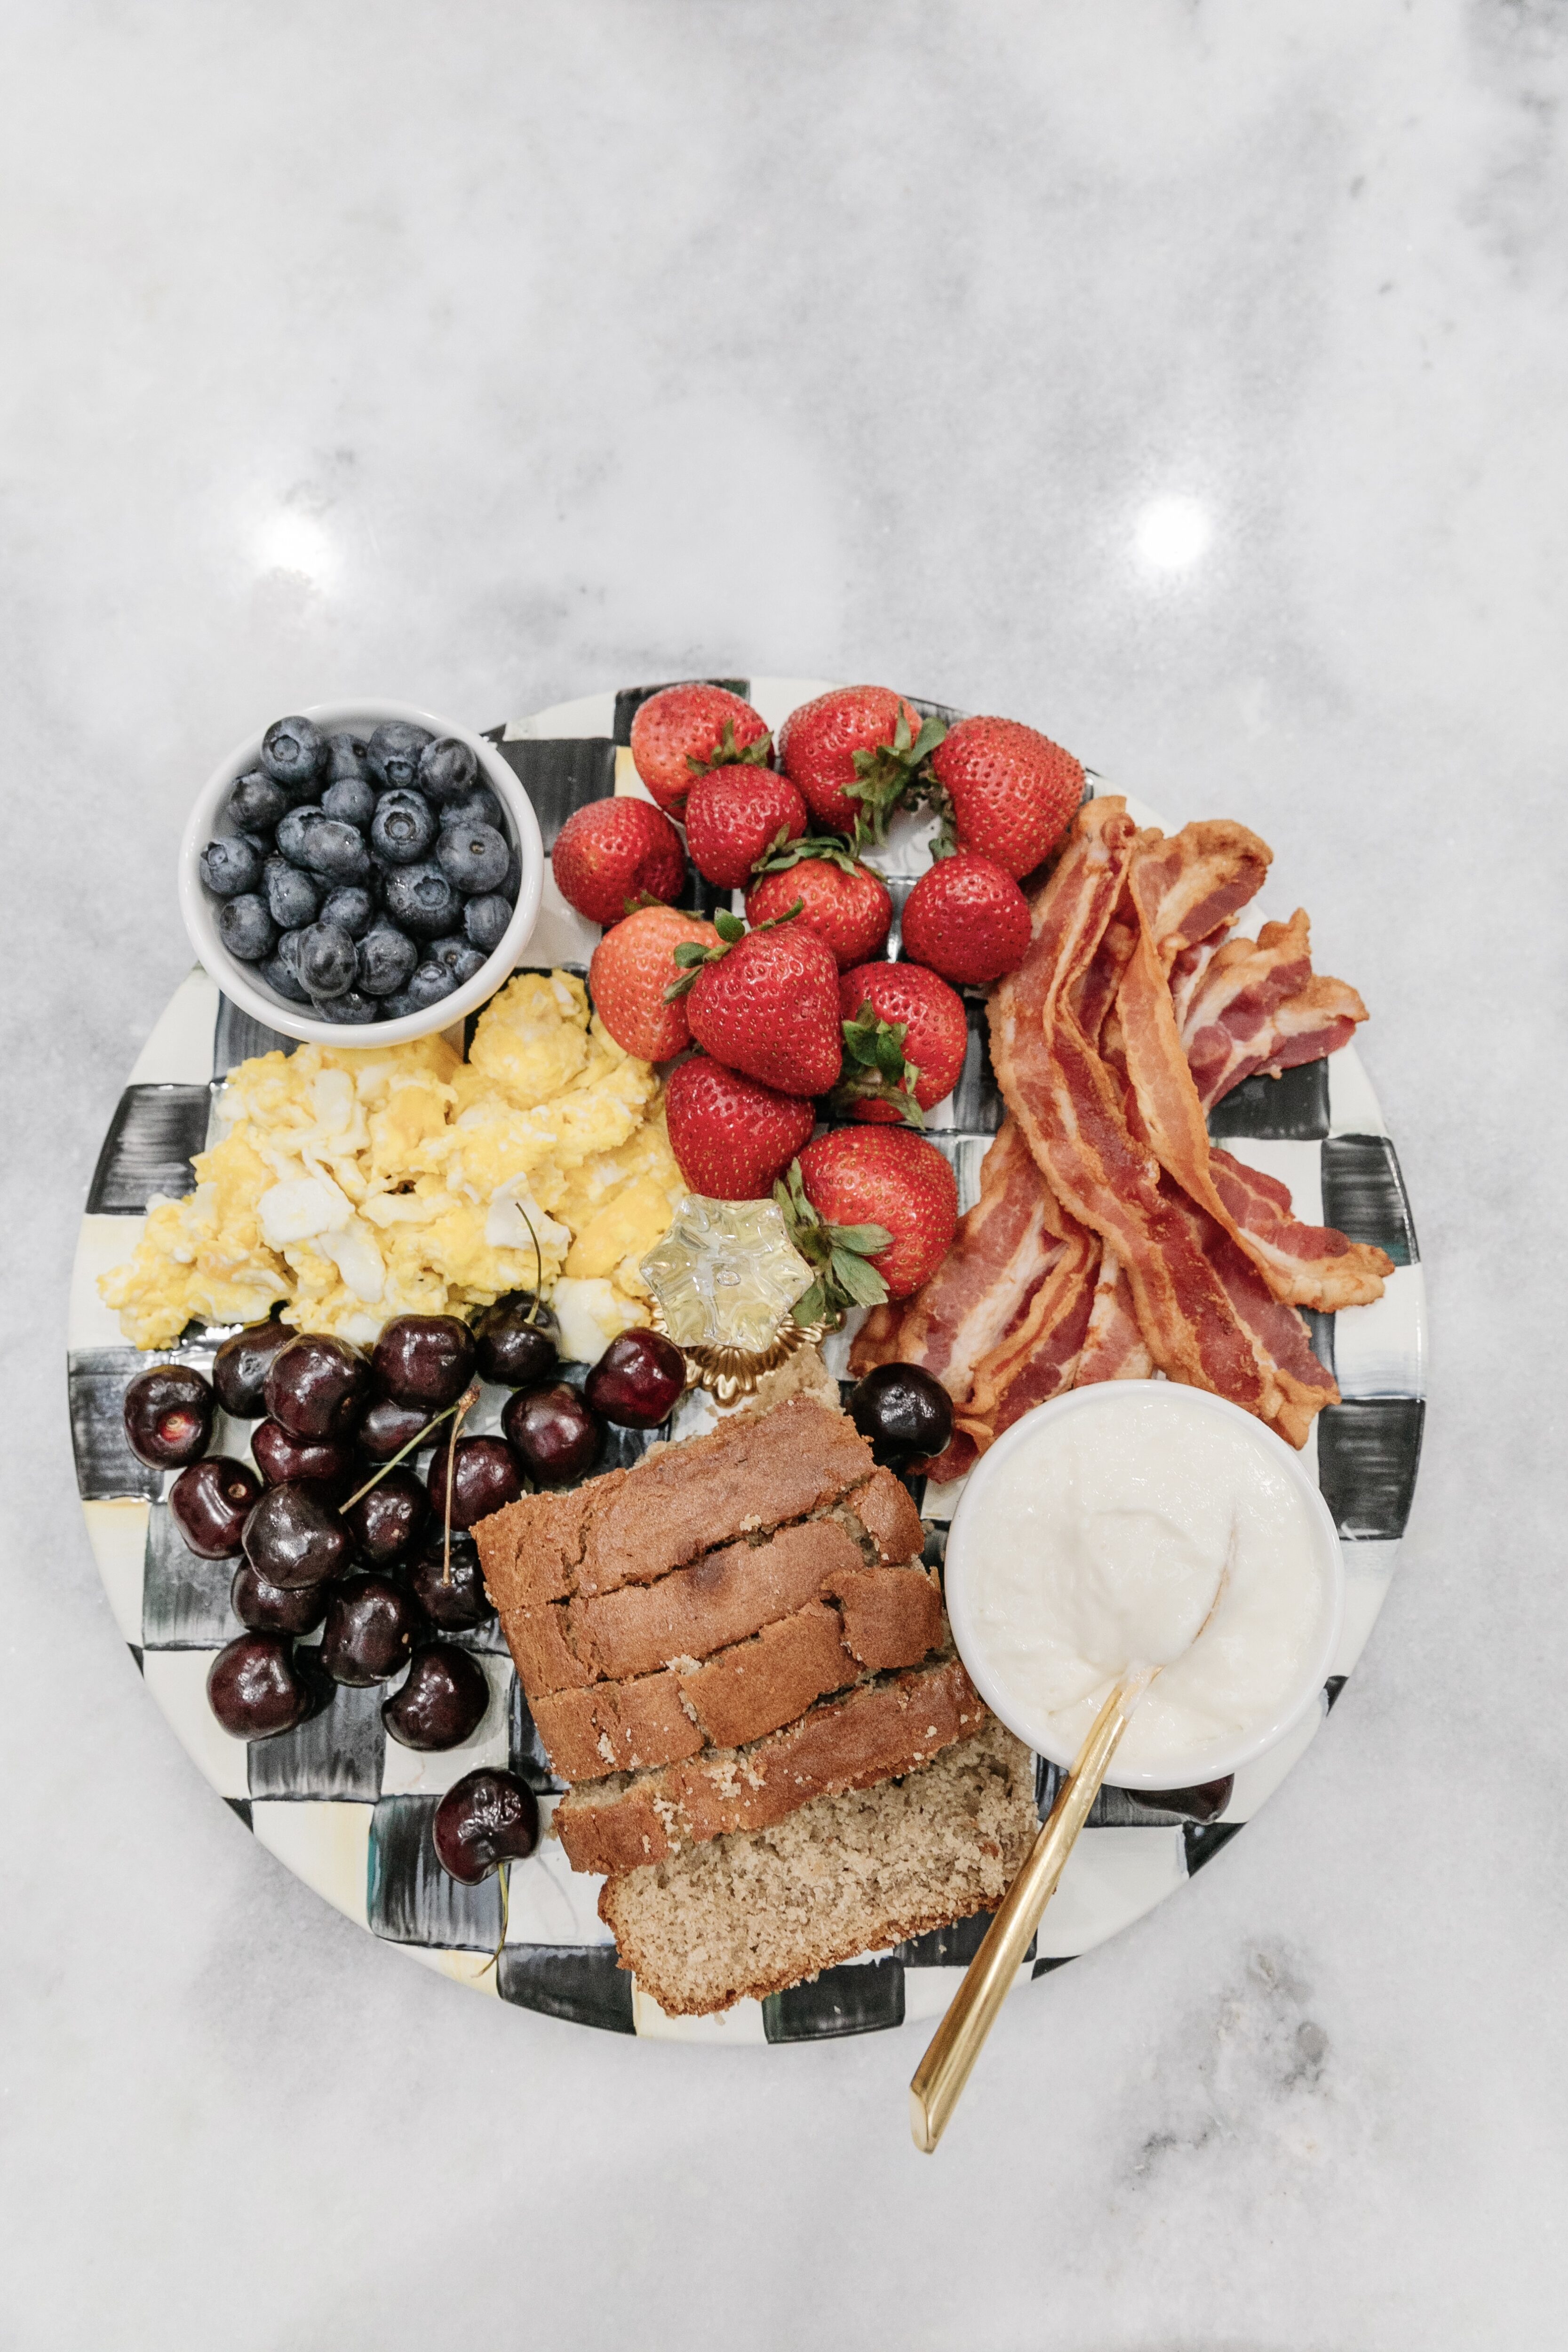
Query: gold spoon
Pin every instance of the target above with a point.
(939, 2079)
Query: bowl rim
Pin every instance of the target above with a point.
(197, 906)
(1223, 1757)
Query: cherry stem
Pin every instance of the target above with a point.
(469, 1398)
(414, 1442)
(504, 1873)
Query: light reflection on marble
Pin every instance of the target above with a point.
(480, 358)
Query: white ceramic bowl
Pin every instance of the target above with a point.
(968, 1533)
(243, 982)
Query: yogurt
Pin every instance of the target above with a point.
(1139, 1525)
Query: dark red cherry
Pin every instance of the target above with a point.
(168, 1415)
(518, 1343)
(388, 1427)
(317, 1386)
(903, 1414)
(282, 1456)
(372, 1627)
(636, 1381)
(423, 1359)
(385, 1521)
(209, 1503)
(254, 1688)
(269, 1608)
(295, 1537)
(457, 1603)
(486, 1818)
(556, 1435)
(485, 1478)
(442, 1702)
(242, 1363)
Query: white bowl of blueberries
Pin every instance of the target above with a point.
(359, 866)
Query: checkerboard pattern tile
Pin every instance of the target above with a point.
(350, 1812)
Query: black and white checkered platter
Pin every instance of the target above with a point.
(350, 1812)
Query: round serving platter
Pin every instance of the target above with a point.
(349, 1812)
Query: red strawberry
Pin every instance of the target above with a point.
(843, 902)
(615, 850)
(633, 966)
(687, 730)
(967, 919)
(886, 1176)
(734, 816)
(905, 1037)
(854, 752)
(733, 1137)
(1012, 790)
(766, 1002)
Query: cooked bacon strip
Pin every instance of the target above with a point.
(1278, 1336)
(1036, 1360)
(1002, 1249)
(1069, 1108)
(1191, 884)
(1095, 998)
(1309, 1265)
(1256, 1004)
(1113, 1346)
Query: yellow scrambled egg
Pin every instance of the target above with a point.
(355, 1186)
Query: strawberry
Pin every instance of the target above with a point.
(854, 753)
(733, 1137)
(855, 1173)
(687, 730)
(766, 1002)
(615, 851)
(905, 1037)
(1011, 790)
(734, 816)
(842, 901)
(967, 919)
(633, 966)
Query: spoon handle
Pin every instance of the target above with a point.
(941, 2076)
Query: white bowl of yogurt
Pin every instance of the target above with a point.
(1094, 1539)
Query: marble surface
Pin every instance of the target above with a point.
(1186, 378)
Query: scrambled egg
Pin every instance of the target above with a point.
(355, 1186)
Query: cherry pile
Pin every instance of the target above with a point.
(335, 1529)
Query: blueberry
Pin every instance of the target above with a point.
(229, 865)
(336, 850)
(420, 899)
(485, 922)
(403, 828)
(351, 798)
(352, 908)
(447, 770)
(431, 983)
(260, 844)
(398, 1006)
(349, 1007)
(386, 958)
(292, 898)
(282, 977)
(255, 804)
(478, 807)
(474, 856)
(246, 928)
(326, 960)
(393, 754)
(293, 829)
(345, 757)
(293, 753)
(460, 960)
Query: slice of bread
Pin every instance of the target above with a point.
(751, 1912)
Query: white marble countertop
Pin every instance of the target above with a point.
(1186, 379)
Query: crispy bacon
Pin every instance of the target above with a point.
(1191, 884)
(1281, 1344)
(1113, 1346)
(1256, 1004)
(1309, 1266)
(1038, 1357)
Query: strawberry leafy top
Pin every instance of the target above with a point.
(838, 1256)
(880, 1072)
(691, 955)
(890, 773)
(728, 754)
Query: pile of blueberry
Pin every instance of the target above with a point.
(334, 1529)
(365, 879)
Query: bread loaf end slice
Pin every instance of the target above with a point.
(746, 1915)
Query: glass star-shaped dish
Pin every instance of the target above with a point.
(726, 1274)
